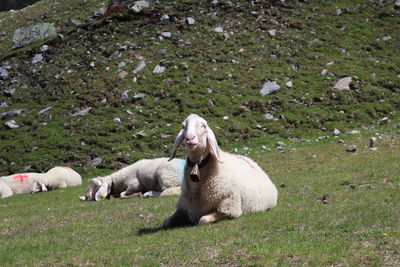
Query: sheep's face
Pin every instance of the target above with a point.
(195, 133)
(199, 139)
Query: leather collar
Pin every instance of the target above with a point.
(201, 164)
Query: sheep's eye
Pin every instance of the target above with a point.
(203, 126)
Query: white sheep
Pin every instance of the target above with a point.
(216, 184)
(21, 183)
(153, 177)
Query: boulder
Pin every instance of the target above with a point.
(26, 35)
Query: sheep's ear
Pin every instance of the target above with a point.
(213, 144)
(102, 192)
(178, 141)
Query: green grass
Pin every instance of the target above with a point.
(358, 226)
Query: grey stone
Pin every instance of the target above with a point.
(37, 58)
(140, 66)
(11, 124)
(373, 149)
(351, 149)
(218, 29)
(27, 35)
(397, 4)
(162, 51)
(9, 92)
(384, 120)
(190, 21)
(372, 141)
(4, 73)
(72, 23)
(123, 74)
(164, 17)
(269, 87)
(44, 48)
(45, 110)
(279, 144)
(324, 72)
(166, 34)
(139, 95)
(117, 120)
(158, 69)
(83, 112)
(94, 162)
(3, 104)
(10, 113)
(122, 64)
(272, 32)
(139, 6)
(343, 84)
(125, 94)
(336, 132)
(269, 116)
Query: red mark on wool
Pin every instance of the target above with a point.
(246, 160)
(21, 177)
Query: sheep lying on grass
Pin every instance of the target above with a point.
(217, 184)
(57, 177)
(153, 177)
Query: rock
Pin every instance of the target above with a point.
(384, 120)
(338, 11)
(44, 110)
(158, 69)
(351, 149)
(343, 84)
(37, 32)
(279, 144)
(140, 134)
(4, 73)
(122, 64)
(269, 116)
(272, 32)
(37, 58)
(269, 87)
(336, 132)
(139, 6)
(373, 149)
(3, 104)
(44, 48)
(162, 51)
(9, 92)
(372, 141)
(140, 66)
(83, 112)
(123, 74)
(386, 38)
(166, 34)
(397, 4)
(225, 118)
(72, 23)
(139, 95)
(324, 72)
(218, 29)
(10, 113)
(117, 120)
(164, 17)
(289, 84)
(129, 112)
(94, 162)
(11, 124)
(125, 94)
(190, 21)
(354, 132)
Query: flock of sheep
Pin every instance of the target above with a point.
(213, 185)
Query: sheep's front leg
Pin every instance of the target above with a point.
(134, 189)
(179, 218)
(212, 217)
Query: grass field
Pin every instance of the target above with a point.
(335, 209)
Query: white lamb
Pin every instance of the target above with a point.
(153, 177)
(216, 184)
(21, 183)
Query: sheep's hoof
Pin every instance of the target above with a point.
(166, 223)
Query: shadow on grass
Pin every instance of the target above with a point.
(152, 230)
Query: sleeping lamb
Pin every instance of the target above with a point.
(153, 177)
(216, 184)
(57, 177)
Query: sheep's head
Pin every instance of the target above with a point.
(97, 190)
(198, 138)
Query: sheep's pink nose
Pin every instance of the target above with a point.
(190, 137)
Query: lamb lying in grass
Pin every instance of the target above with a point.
(153, 177)
(21, 183)
(216, 184)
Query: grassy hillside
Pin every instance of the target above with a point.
(209, 73)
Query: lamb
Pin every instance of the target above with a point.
(21, 183)
(153, 177)
(217, 185)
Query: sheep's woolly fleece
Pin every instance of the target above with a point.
(21, 183)
(217, 184)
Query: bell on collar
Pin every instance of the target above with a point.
(195, 174)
